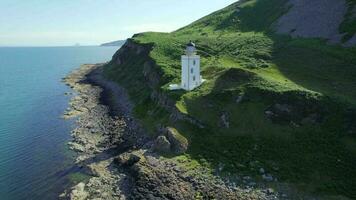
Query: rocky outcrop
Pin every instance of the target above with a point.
(179, 142)
(170, 141)
(157, 178)
(96, 134)
(313, 19)
(78, 192)
(151, 75)
(162, 145)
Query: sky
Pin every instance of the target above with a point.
(92, 22)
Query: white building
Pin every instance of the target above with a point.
(190, 78)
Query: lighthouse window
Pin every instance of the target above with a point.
(191, 70)
(194, 62)
(193, 78)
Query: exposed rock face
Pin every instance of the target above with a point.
(151, 75)
(122, 55)
(313, 19)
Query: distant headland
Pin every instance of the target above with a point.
(114, 43)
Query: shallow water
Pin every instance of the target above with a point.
(35, 162)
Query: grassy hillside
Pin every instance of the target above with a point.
(309, 140)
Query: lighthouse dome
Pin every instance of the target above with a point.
(191, 48)
(191, 44)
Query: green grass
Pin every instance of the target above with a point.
(241, 57)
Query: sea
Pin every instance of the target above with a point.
(35, 161)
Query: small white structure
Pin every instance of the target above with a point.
(191, 77)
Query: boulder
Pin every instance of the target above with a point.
(179, 144)
(78, 192)
(127, 159)
(267, 177)
(162, 145)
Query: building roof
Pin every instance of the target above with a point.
(191, 44)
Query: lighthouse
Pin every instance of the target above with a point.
(190, 73)
(190, 68)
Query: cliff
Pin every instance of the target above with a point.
(278, 96)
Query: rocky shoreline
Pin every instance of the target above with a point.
(122, 159)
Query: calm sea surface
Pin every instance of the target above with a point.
(35, 162)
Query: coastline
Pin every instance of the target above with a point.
(93, 138)
(120, 157)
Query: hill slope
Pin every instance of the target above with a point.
(287, 105)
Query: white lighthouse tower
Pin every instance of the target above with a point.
(190, 68)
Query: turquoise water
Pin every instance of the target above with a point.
(35, 162)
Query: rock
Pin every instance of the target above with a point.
(269, 113)
(162, 145)
(267, 177)
(179, 144)
(275, 168)
(77, 147)
(127, 159)
(224, 120)
(220, 167)
(252, 184)
(262, 171)
(239, 99)
(78, 192)
(269, 191)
